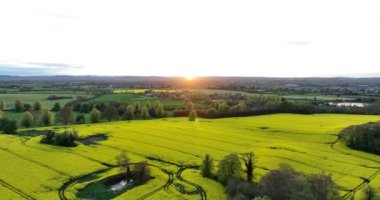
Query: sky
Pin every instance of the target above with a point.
(276, 38)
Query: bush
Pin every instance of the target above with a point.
(193, 115)
(8, 126)
(66, 139)
(94, 115)
(27, 120)
(80, 119)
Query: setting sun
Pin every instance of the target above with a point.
(189, 78)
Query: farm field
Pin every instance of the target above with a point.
(174, 147)
(31, 97)
(170, 104)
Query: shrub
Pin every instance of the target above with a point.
(8, 126)
(193, 115)
(66, 139)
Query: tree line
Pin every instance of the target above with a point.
(283, 183)
(365, 137)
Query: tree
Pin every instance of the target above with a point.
(1, 114)
(237, 188)
(322, 186)
(94, 115)
(193, 115)
(37, 106)
(66, 115)
(207, 166)
(249, 159)
(144, 113)
(19, 106)
(137, 107)
(46, 118)
(229, 167)
(123, 162)
(80, 119)
(8, 126)
(57, 107)
(27, 120)
(1, 105)
(159, 110)
(240, 107)
(285, 184)
(27, 107)
(141, 171)
(223, 108)
(369, 192)
(211, 112)
(129, 113)
(111, 113)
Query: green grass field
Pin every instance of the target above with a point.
(31, 97)
(169, 104)
(173, 145)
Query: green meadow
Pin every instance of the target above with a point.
(31, 97)
(174, 147)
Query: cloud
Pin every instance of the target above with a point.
(23, 71)
(54, 65)
(35, 68)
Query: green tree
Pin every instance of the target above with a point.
(159, 110)
(137, 107)
(129, 113)
(207, 166)
(229, 167)
(94, 115)
(223, 108)
(27, 120)
(1, 105)
(322, 186)
(1, 114)
(80, 119)
(37, 106)
(240, 107)
(8, 126)
(19, 106)
(124, 163)
(66, 115)
(57, 107)
(249, 160)
(111, 113)
(193, 115)
(144, 113)
(46, 117)
(285, 184)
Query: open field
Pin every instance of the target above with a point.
(31, 97)
(175, 146)
(170, 104)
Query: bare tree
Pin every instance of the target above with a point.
(249, 160)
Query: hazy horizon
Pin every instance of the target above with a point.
(198, 38)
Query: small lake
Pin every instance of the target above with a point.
(348, 104)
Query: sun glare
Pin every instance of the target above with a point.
(189, 78)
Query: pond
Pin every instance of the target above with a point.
(348, 104)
